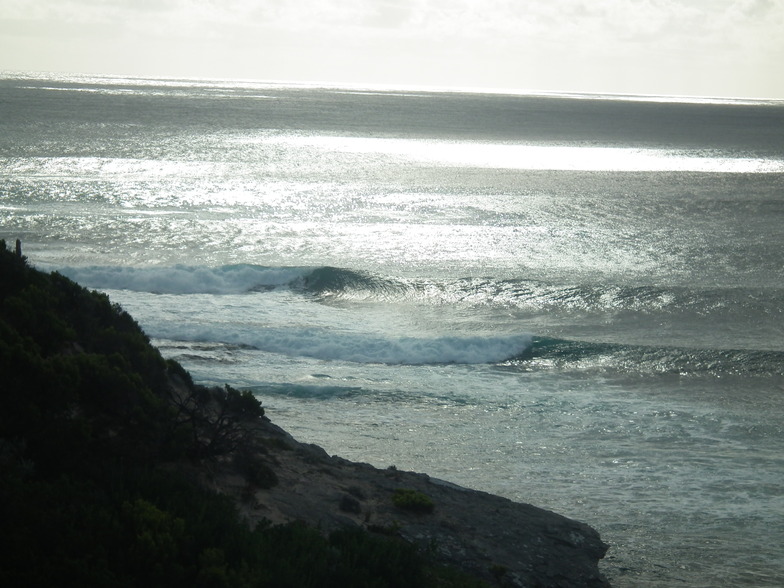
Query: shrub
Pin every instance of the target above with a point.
(412, 500)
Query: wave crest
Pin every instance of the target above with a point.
(185, 279)
(328, 344)
(549, 353)
(338, 283)
(228, 279)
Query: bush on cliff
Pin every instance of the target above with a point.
(413, 500)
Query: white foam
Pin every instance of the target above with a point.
(331, 344)
(182, 279)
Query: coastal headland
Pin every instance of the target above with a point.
(117, 469)
(490, 537)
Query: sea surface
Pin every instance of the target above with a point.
(574, 301)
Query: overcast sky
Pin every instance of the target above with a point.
(671, 47)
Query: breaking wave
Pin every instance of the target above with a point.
(330, 344)
(185, 279)
(329, 283)
(228, 279)
(528, 352)
(550, 353)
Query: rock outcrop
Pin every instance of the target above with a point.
(503, 542)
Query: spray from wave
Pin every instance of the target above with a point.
(330, 344)
(409, 350)
(185, 279)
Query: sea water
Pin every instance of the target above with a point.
(573, 301)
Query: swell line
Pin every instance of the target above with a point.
(332, 283)
(551, 353)
(355, 347)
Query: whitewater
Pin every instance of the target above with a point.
(571, 301)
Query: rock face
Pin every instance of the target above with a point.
(500, 541)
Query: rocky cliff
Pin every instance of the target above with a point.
(503, 542)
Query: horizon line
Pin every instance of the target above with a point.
(399, 87)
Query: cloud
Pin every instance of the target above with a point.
(616, 20)
(625, 45)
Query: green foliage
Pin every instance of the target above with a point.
(299, 556)
(155, 541)
(177, 371)
(80, 378)
(243, 404)
(218, 418)
(412, 500)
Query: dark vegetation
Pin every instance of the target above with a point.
(413, 500)
(95, 429)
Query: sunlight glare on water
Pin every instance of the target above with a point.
(542, 157)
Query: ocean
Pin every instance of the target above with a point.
(574, 301)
